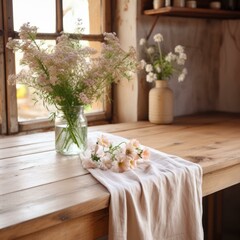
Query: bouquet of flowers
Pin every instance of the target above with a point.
(118, 158)
(69, 74)
(160, 66)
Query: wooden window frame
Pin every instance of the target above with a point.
(8, 106)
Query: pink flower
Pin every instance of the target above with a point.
(107, 163)
(88, 163)
(130, 150)
(84, 99)
(133, 162)
(123, 164)
(103, 141)
(135, 143)
(145, 154)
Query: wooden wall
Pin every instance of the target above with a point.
(229, 67)
(213, 49)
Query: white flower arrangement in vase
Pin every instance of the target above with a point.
(160, 66)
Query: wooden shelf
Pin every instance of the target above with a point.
(194, 13)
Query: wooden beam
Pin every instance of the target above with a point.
(221, 179)
(59, 16)
(3, 115)
(106, 15)
(51, 36)
(11, 102)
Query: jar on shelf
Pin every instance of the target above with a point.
(179, 3)
(215, 5)
(191, 4)
(158, 4)
(168, 3)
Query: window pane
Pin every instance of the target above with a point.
(89, 11)
(39, 13)
(29, 109)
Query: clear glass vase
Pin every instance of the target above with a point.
(71, 131)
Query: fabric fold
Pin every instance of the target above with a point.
(161, 199)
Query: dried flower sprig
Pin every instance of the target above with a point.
(118, 158)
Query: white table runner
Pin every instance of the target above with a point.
(161, 199)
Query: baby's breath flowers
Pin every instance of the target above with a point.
(118, 158)
(159, 66)
(69, 74)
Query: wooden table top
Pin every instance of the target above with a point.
(41, 188)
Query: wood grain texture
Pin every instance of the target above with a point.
(194, 13)
(44, 195)
(12, 122)
(3, 117)
(90, 226)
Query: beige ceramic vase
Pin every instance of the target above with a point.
(161, 103)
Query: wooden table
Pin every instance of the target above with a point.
(44, 195)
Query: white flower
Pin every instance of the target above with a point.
(143, 63)
(150, 50)
(149, 68)
(179, 49)
(151, 77)
(158, 37)
(170, 57)
(184, 71)
(180, 61)
(142, 41)
(183, 56)
(182, 76)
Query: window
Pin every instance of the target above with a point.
(18, 112)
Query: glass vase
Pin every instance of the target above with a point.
(71, 131)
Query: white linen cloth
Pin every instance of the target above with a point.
(161, 199)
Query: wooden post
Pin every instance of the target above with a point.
(11, 102)
(219, 215)
(59, 16)
(3, 115)
(210, 222)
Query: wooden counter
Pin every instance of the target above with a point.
(44, 195)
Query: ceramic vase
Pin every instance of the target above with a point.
(161, 103)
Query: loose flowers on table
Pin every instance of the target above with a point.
(118, 158)
(160, 66)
